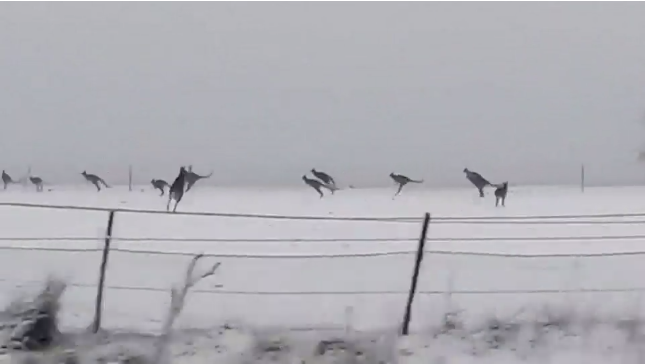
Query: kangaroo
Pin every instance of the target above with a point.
(500, 193)
(326, 179)
(160, 185)
(95, 180)
(192, 178)
(38, 182)
(6, 179)
(176, 191)
(477, 180)
(316, 185)
(402, 181)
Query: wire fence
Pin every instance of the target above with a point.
(591, 218)
(380, 272)
(607, 238)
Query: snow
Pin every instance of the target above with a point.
(243, 293)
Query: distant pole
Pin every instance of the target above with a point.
(98, 309)
(582, 178)
(130, 177)
(415, 275)
(25, 181)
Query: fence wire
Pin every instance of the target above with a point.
(328, 256)
(347, 293)
(597, 219)
(332, 240)
(535, 219)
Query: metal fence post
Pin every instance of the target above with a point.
(415, 275)
(98, 309)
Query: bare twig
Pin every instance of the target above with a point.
(177, 302)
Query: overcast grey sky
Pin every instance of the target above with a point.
(262, 92)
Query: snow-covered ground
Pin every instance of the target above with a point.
(480, 268)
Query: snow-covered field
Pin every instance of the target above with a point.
(480, 268)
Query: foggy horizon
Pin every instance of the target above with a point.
(261, 93)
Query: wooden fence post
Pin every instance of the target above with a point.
(98, 309)
(130, 177)
(582, 178)
(415, 275)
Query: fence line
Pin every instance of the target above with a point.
(599, 219)
(338, 240)
(213, 240)
(545, 222)
(331, 256)
(438, 219)
(215, 214)
(353, 293)
(46, 249)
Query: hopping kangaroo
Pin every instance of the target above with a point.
(477, 180)
(192, 178)
(176, 191)
(160, 185)
(500, 193)
(6, 179)
(402, 181)
(38, 182)
(95, 180)
(326, 179)
(316, 185)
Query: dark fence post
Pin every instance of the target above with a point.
(415, 275)
(98, 309)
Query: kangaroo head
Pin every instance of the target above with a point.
(466, 170)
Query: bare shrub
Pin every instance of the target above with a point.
(177, 303)
(33, 323)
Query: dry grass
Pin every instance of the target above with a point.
(525, 334)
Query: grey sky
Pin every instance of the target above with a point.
(263, 92)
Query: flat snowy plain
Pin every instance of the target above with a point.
(305, 277)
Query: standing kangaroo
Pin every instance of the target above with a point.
(6, 179)
(402, 181)
(326, 179)
(160, 185)
(500, 194)
(95, 180)
(176, 191)
(192, 178)
(316, 185)
(477, 180)
(38, 182)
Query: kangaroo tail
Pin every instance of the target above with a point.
(416, 181)
(206, 176)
